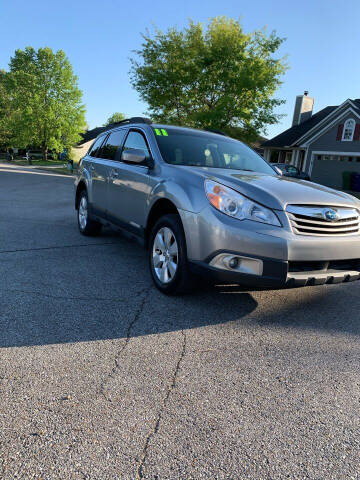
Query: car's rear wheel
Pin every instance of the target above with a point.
(87, 226)
(167, 255)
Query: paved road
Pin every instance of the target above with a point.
(102, 377)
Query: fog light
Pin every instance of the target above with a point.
(233, 262)
(241, 264)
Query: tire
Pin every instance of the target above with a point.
(87, 226)
(167, 256)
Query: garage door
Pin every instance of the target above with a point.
(328, 169)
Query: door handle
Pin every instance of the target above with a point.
(92, 167)
(114, 174)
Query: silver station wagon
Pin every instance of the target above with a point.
(205, 204)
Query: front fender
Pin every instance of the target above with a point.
(83, 178)
(184, 196)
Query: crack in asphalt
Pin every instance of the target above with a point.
(127, 340)
(58, 247)
(140, 468)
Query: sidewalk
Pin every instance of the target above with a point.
(15, 165)
(53, 170)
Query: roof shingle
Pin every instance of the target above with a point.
(290, 135)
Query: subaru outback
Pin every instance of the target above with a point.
(205, 204)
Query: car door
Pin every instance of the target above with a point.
(99, 178)
(129, 186)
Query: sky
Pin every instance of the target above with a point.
(322, 44)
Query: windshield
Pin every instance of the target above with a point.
(181, 147)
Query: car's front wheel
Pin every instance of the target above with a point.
(87, 226)
(167, 254)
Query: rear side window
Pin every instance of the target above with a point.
(136, 140)
(95, 149)
(112, 145)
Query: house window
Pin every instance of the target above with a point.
(348, 133)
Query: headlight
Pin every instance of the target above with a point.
(232, 203)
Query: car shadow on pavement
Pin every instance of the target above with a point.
(112, 297)
(207, 306)
(42, 320)
(33, 319)
(327, 309)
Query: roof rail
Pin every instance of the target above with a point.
(214, 130)
(131, 120)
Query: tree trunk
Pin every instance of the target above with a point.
(45, 152)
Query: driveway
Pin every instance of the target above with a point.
(102, 377)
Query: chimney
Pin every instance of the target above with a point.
(303, 108)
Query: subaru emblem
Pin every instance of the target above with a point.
(331, 215)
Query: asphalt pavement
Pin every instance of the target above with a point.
(103, 377)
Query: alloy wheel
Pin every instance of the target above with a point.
(83, 212)
(165, 255)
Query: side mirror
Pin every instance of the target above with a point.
(278, 171)
(133, 155)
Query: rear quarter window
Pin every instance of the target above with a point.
(96, 146)
(113, 144)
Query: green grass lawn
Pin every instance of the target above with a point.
(36, 162)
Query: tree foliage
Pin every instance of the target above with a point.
(5, 111)
(46, 102)
(114, 118)
(219, 78)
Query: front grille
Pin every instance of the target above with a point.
(311, 220)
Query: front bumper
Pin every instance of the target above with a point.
(288, 259)
(274, 274)
(278, 274)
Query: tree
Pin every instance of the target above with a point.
(6, 133)
(114, 118)
(219, 78)
(45, 100)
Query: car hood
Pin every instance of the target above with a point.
(277, 191)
